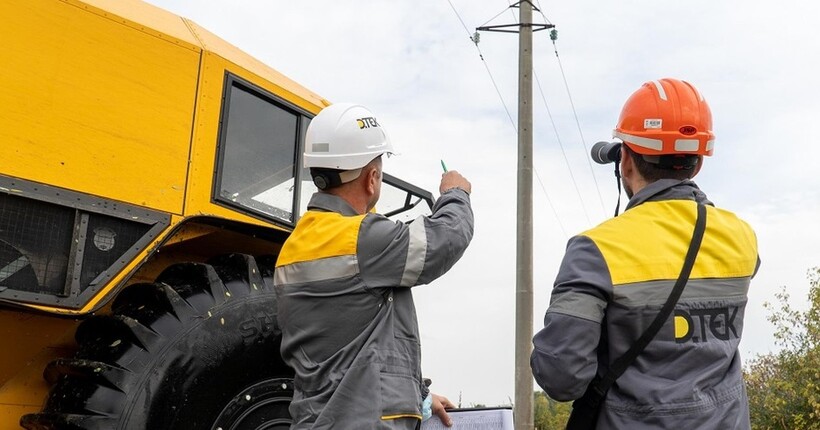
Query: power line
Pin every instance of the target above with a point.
(461, 20)
(544, 189)
(499, 14)
(574, 112)
(578, 123)
(484, 61)
(555, 128)
(541, 11)
(561, 145)
(497, 91)
(512, 122)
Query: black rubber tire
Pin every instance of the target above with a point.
(197, 349)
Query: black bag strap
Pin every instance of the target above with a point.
(601, 385)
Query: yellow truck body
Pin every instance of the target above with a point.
(137, 149)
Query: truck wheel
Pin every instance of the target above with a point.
(197, 349)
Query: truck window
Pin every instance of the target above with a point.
(259, 161)
(258, 145)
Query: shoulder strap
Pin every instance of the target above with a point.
(623, 362)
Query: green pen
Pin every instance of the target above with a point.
(443, 166)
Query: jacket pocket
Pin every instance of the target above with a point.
(400, 396)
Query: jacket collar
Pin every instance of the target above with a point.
(669, 189)
(330, 203)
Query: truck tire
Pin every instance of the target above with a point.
(196, 349)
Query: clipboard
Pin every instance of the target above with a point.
(500, 418)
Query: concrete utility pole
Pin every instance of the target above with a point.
(523, 413)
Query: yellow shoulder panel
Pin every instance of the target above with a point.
(649, 242)
(321, 235)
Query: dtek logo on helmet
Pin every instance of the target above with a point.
(720, 323)
(367, 122)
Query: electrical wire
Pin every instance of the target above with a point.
(497, 91)
(578, 123)
(461, 20)
(484, 61)
(555, 129)
(499, 14)
(512, 122)
(541, 11)
(563, 152)
(575, 114)
(544, 189)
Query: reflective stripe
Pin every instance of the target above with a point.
(655, 144)
(661, 92)
(687, 145)
(578, 305)
(656, 292)
(317, 270)
(397, 416)
(416, 253)
(710, 144)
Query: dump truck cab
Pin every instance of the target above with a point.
(150, 173)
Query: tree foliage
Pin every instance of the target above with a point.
(784, 387)
(550, 414)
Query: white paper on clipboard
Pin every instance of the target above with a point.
(474, 419)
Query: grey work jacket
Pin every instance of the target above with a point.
(348, 320)
(611, 284)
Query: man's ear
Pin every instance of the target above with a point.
(627, 164)
(371, 179)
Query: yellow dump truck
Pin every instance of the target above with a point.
(149, 173)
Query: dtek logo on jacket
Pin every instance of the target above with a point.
(701, 325)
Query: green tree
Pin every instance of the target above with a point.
(550, 414)
(784, 387)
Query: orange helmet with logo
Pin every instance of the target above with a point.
(666, 117)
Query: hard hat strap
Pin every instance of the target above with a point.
(673, 161)
(325, 179)
(618, 181)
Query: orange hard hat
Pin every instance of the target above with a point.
(664, 117)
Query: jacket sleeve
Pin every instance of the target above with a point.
(396, 254)
(565, 352)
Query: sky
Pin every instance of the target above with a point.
(413, 64)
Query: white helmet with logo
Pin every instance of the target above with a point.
(344, 136)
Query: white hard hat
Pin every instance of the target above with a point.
(344, 136)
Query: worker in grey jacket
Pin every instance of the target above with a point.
(615, 278)
(343, 279)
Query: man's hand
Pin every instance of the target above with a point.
(440, 403)
(453, 179)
